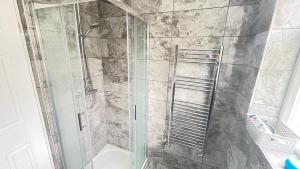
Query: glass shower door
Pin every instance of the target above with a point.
(58, 36)
(138, 36)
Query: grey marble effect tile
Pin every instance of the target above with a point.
(115, 85)
(195, 4)
(90, 8)
(156, 163)
(242, 2)
(117, 100)
(87, 21)
(265, 15)
(175, 162)
(118, 135)
(156, 129)
(116, 48)
(152, 6)
(113, 27)
(265, 110)
(96, 103)
(249, 19)
(107, 9)
(218, 130)
(282, 49)
(158, 90)
(115, 67)
(157, 109)
(197, 42)
(246, 50)
(161, 5)
(241, 106)
(97, 83)
(271, 87)
(215, 158)
(160, 24)
(241, 20)
(95, 66)
(92, 47)
(287, 14)
(238, 77)
(225, 99)
(50, 1)
(160, 49)
(183, 152)
(235, 158)
(117, 115)
(100, 131)
(195, 22)
(159, 70)
(239, 136)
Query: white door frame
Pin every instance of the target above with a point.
(23, 138)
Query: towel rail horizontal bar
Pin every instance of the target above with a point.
(194, 138)
(191, 108)
(183, 139)
(181, 60)
(191, 146)
(181, 118)
(200, 49)
(190, 115)
(208, 105)
(195, 78)
(194, 89)
(182, 121)
(196, 132)
(193, 81)
(196, 86)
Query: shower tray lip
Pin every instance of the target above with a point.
(112, 157)
(111, 148)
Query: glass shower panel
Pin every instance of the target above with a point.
(139, 89)
(58, 36)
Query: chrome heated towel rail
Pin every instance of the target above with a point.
(188, 120)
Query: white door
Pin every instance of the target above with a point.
(23, 141)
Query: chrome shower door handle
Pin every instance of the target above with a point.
(81, 122)
(134, 112)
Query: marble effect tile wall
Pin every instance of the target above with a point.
(282, 51)
(115, 70)
(170, 24)
(95, 102)
(242, 27)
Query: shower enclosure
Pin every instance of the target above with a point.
(82, 70)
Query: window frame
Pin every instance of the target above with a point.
(292, 97)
